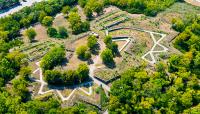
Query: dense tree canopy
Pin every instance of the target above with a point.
(140, 92)
(189, 36)
(47, 21)
(92, 6)
(76, 24)
(148, 7)
(66, 9)
(52, 32)
(107, 56)
(31, 15)
(62, 32)
(10, 65)
(7, 3)
(53, 58)
(111, 45)
(91, 42)
(83, 52)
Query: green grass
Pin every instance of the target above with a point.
(183, 9)
(103, 97)
(139, 48)
(106, 74)
(158, 48)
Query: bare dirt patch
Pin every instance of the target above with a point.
(41, 33)
(66, 92)
(80, 42)
(120, 44)
(74, 62)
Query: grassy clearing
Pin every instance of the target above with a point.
(158, 48)
(182, 8)
(36, 75)
(157, 36)
(86, 87)
(148, 57)
(44, 97)
(137, 35)
(66, 92)
(139, 48)
(35, 51)
(105, 74)
(121, 32)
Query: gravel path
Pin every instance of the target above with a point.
(152, 51)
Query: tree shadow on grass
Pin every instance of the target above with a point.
(110, 64)
(64, 62)
(34, 41)
(96, 49)
(90, 61)
(70, 86)
(117, 54)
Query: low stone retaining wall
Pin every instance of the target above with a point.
(107, 81)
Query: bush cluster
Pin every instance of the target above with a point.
(61, 33)
(69, 77)
(54, 57)
(76, 24)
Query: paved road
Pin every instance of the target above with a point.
(15, 9)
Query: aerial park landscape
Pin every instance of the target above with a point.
(100, 56)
